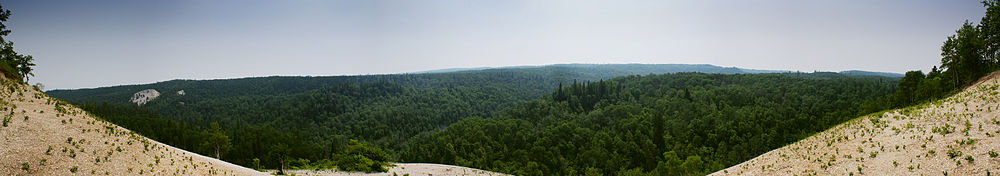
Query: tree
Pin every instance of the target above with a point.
(962, 55)
(280, 151)
(990, 28)
(217, 139)
(907, 92)
(692, 165)
(669, 165)
(12, 65)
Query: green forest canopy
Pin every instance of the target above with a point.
(680, 124)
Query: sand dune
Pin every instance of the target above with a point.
(45, 136)
(953, 136)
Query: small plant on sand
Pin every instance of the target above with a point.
(943, 130)
(74, 169)
(970, 159)
(993, 154)
(6, 119)
(952, 153)
(25, 166)
(48, 151)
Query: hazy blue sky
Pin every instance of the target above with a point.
(80, 44)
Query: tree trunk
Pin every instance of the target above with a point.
(281, 170)
(217, 151)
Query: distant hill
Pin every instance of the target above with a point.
(626, 69)
(549, 77)
(869, 73)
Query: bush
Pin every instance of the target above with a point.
(952, 153)
(6, 120)
(361, 157)
(359, 163)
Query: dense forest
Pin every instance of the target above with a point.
(412, 124)
(688, 123)
(317, 116)
(556, 120)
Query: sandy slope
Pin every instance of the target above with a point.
(953, 136)
(414, 169)
(78, 140)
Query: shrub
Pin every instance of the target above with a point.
(74, 169)
(24, 166)
(993, 153)
(952, 153)
(358, 163)
(6, 120)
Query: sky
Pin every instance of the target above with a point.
(86, 44)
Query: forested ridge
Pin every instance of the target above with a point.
(317, 116)
(603, 126)
(685, 123)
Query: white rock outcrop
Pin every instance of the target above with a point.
(144, 96)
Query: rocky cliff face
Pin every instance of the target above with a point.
(142, 97)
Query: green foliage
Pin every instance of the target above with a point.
(358, 163)
(970, 53)
(952, 153)
(12, 65)
(709, 120)
(316, 115)
(6, 120)
(216, 140)
(361, 157)
(73, 169)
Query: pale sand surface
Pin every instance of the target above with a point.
(414, 169)
(100, 148)
(899, 142)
